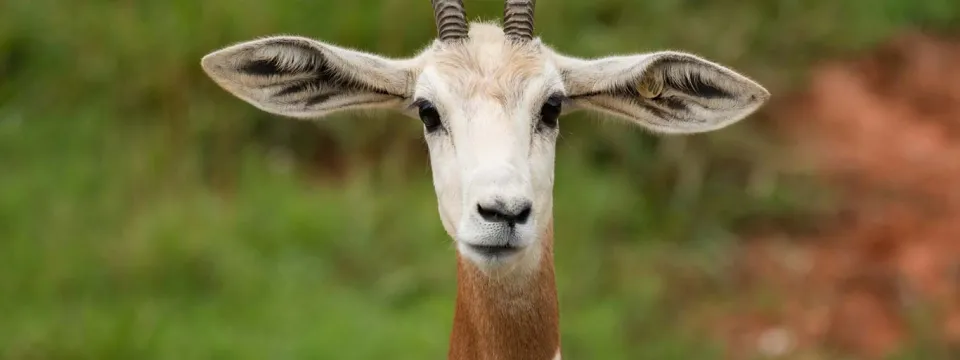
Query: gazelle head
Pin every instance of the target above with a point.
(489, 99)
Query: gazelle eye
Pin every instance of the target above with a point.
(551, 111)
(429, 116)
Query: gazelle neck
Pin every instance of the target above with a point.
(506, 318)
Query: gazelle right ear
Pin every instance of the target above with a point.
(304, 78)
(667, 91)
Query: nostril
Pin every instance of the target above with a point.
(524, 214)
(500, 213)
(488, 214)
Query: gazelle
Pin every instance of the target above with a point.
(489, 98)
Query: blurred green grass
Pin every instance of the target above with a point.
(147, 214)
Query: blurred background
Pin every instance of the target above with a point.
(147, 214)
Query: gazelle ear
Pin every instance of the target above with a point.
(304, 78)
(667, 92)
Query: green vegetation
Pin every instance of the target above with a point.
(147, 214)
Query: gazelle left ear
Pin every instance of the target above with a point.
(304, 78)
(668, 91)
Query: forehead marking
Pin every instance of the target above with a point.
(488, 65)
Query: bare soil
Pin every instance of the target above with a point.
(883, 130)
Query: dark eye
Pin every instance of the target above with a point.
(429, 116)
(551, 111)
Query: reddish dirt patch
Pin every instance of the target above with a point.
(884, 131)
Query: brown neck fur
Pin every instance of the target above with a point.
(505, 320)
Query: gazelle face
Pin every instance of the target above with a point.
(490, 110)
(489, 100)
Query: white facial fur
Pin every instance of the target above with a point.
(491, 147)
(492, 151)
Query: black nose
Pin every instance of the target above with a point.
(516, 212)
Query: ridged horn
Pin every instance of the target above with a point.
(518, 19)
(451, 19)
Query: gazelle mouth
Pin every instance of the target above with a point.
(493, 250)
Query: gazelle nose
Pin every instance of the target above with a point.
(512, 212)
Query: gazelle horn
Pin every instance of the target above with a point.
(451, 19)
(518, 19)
